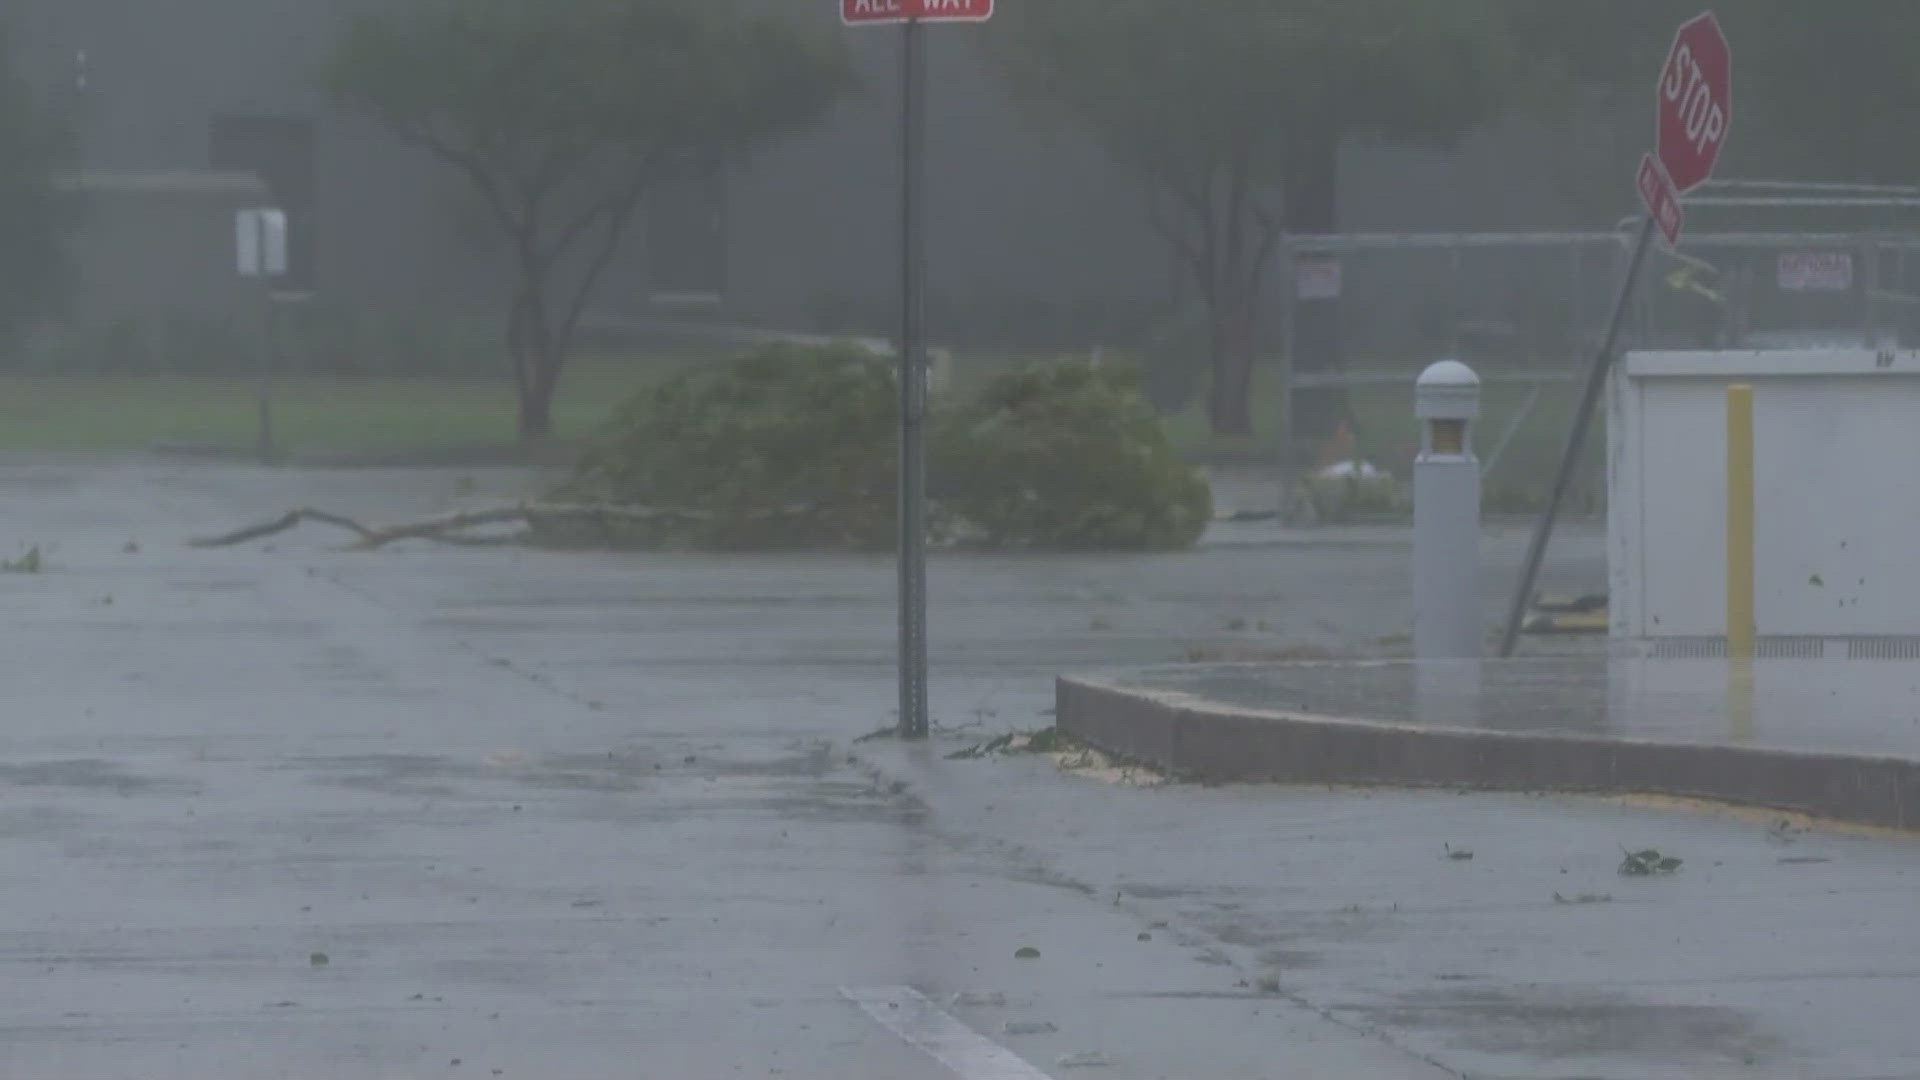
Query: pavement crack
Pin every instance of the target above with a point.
(487, 659)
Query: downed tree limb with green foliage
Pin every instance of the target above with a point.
(1067, 454)
(792, 447)
(1063, 454)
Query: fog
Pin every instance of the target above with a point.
(463, 579)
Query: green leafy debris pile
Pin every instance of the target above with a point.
(1069, 454)
(1648, 863)
(794, 447)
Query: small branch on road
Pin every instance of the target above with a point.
(280, 524)
(451, 528)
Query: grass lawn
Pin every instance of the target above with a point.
(1389, 435)
(312, 417)
(395, 418)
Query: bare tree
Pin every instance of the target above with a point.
(1233, 112)
(563, 115)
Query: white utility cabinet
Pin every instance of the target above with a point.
(1836, 500)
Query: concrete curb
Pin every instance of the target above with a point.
(1196, 739)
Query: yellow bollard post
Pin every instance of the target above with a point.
(1740, 626)
(1740, 699)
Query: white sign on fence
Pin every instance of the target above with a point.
(1816, 271)
(262, 237)
(1317, 277)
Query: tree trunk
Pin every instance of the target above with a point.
(1312, 191)
(1230, 404)
(536, 360)
(536, 399)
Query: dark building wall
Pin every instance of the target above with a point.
(155, 246)
(144, 83)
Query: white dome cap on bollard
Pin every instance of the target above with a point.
(1447, 390)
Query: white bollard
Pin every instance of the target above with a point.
(1447, 622)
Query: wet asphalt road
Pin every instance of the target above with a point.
(282, 810)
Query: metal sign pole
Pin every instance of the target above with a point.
(1289, 310)
(269, 357)
(913, 387)
(1576, 440)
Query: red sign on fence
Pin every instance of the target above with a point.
(1816, 271)
(863, 12)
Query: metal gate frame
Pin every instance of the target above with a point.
(1869, 246)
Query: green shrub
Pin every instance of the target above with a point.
(787, 447)
(795, 447)
(1069, 454)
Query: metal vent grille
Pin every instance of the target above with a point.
(1883, 648)
(1879, 647)
(1689, 648)
(1790, 648)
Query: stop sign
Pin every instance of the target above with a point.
(1695, 101)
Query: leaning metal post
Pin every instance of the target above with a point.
(1576, 440)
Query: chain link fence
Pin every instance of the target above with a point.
(1528, 310)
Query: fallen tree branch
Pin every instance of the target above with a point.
(279, 525)
(448, 528)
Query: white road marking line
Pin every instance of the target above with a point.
(922, 1024)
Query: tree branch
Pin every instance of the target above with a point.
(559, 158)
(1198, 199)
(617, 222)
(1181, 239)
(620, 200)
(1237, 181)
(469, 162)
(1271, 228)
(449, 528)
(517, 337)
(279, 525)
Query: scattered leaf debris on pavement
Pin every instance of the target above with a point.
(1045, 741)
(1648, 863)
(1029, 1027)
(27, 563)
(1092, 1059)
(1584, 898)
(1067, 753)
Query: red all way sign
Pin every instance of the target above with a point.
(894, 11)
